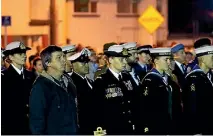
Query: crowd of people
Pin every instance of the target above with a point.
(126, 90)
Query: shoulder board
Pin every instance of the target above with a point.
(193, 76)
(99, 69)
(189, 74)
(145, 77)
(98, 78)
(101, 76)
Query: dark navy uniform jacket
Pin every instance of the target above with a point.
(84, 103)
(113, 104)
(210, 75)
(191, 65)
(197, 100)
(160, 105)
(15, 101)
(180, 76)
(141, 72)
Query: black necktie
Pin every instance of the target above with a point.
(119, 77)
(183, 68)
(22, 75)
(62, 84)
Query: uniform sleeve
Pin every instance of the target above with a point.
(144, 119)
(5, 107)
(38, 110)
(190, 107)
(150, 118)
(98, 102)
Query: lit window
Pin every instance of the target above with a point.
(85, 6)
(127, 6)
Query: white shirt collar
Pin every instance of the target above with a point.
(114, 73)
(179, 65)
(18, 70)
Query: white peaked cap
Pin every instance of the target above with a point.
(204, 50)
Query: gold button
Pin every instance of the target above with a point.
(130, 121)
(28, 115)
(128, 101)
(146, 129)
(123, 112)
(129, 111)
(27, 105)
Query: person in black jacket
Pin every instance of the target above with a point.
(160, 106)
(113, 95)
(68, 50)
(16, 86)
(197, 98)
(131, 61)
(180, 68)
(84, 87)
(52, 100)
(142, 67)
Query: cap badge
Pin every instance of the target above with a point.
(146, 129)
(125, 52)
(22, 46)
(146, 90)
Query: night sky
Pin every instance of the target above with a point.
(183, 12)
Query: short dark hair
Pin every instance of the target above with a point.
(46, 54)
(32, 57)
(35, 61)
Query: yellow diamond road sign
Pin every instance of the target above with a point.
(151, 19)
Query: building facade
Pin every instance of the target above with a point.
(86, 22)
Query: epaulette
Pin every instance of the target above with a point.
(193, 71)
(193, 76)
(99, 69)
(147, 79)
(99, 77)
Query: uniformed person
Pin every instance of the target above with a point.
(2, 60)
(16, 86)
(180, 68)
(112, 95)
(130, 73)
(131, 61)
(197, 98)
(198, 43)
(210, 74)
(68, 50)
(103, 68)
(84, 87)
(141, 67)
(160, 106)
